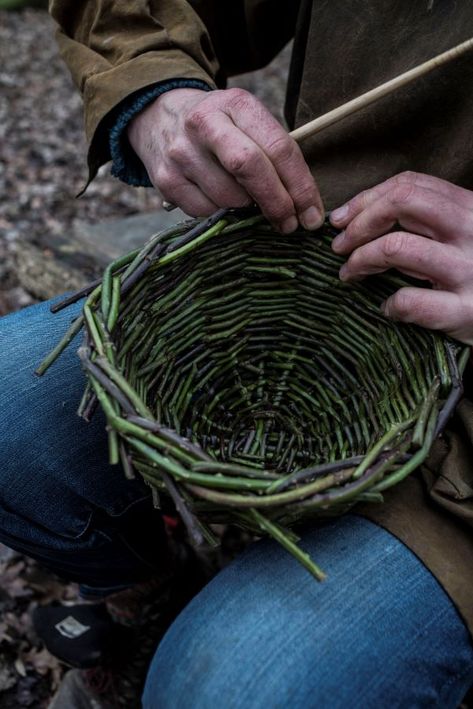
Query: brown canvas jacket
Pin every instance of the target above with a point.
(116, 48)
(341, 50)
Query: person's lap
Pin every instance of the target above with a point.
(263, 633)
(379, 632)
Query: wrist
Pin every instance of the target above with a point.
(127, 165)
(169, 104)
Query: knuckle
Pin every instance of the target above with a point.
(276, 206)
(241, 162)
(221, 136)
(402, 303)
(305, 196)
(277, 203)
(360, 202)
(407, 176)
(237, 97)
(281, 210)
(364, 199)
(282, 149)
(164, 181)
(401, 192)
(157, 175)
(393, 244)
(178, 151)
(197, 120)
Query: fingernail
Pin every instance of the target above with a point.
(338, 242)
(311, 219)
(342, 274)
(338, 214)
(289, 225)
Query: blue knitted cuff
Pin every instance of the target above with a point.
(126, 164)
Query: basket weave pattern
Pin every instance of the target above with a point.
(241, 377)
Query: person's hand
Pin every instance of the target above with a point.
(432, 239)
(206, 150)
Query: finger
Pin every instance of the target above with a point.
(229, 131)
(184, 194)
(343, 215)
(217, 184)
(285, 155)
(415, 208)
(433, 309)
(295, 175)
(242, 158)
(415, 255)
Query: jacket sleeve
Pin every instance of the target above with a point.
(115, 48)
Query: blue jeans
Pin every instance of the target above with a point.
(263, 633)
(379, 632)
(60, 501)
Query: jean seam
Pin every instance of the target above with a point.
(84, 531)
(88, 523)
(129, 506)
(70, 536)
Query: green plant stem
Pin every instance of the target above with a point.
(277, 533)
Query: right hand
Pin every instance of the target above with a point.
(207, 150)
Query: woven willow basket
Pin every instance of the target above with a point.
(243, 379)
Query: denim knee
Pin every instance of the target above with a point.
(380, 631)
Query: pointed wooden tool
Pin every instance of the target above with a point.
(347, 109)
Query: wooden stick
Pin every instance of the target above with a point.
(356, 104)
(347, 109)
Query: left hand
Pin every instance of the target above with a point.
(434, 242)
